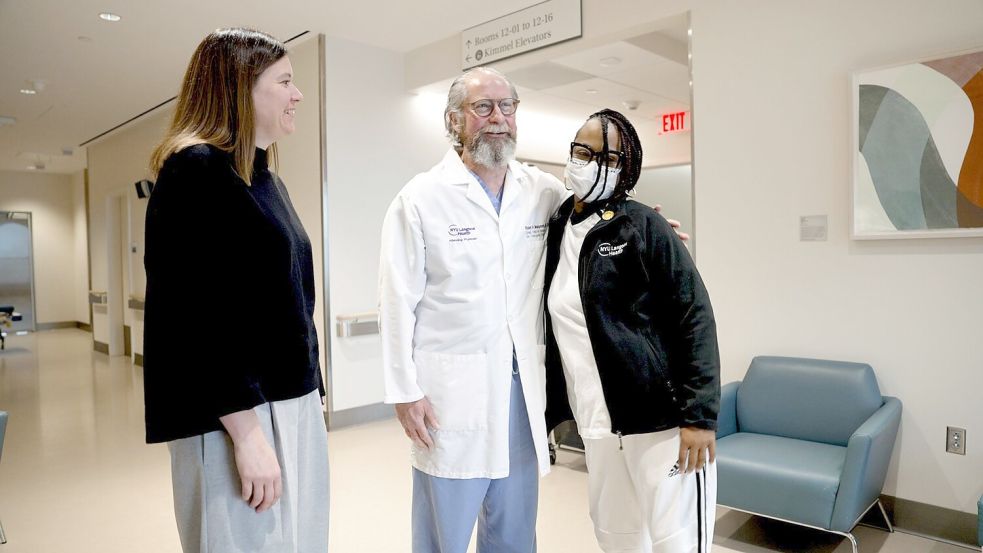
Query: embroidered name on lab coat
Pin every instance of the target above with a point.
(461, 233)
(607, 249)
(536, 231)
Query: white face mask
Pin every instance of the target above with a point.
(589, 181)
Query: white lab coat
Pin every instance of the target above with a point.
(459, 285)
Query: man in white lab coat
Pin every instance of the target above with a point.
(461, 312)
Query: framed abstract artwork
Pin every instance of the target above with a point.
(918, 149)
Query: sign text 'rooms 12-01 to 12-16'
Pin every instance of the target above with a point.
(534, 27)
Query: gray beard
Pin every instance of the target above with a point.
(491, 154)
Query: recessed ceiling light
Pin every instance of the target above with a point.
(106, 16)
(610, 61)
(83, 38)
(28, 91)
(689, 32)
(590, 91)
(4, 120)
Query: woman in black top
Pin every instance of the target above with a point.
(631, 351)
(226, 255)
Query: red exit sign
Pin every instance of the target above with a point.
(675, 122)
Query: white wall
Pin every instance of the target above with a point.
(772, 142)
(114, 164)
(300, 167)
(378, 137)
(81, 257)
(672, 188)
(49, 198)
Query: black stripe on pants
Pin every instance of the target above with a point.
(699, 511)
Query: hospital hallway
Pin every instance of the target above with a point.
(76, 475)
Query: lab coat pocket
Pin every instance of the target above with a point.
(457, 387)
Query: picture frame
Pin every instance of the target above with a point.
(917, 149)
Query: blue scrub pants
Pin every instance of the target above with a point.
(445, 509)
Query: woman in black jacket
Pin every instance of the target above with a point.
(225, 250)
(631, 351)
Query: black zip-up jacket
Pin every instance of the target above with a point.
(649, 320)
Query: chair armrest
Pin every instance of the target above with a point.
(727, 416)
(3, 429)
(979, 516)
(868, 454)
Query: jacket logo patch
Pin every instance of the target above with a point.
(607, 249)
(462, 233)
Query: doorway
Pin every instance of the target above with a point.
(17, 268)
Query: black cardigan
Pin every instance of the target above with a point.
(228, 321)
(649, 319)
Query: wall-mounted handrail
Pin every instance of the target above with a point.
(357, 324)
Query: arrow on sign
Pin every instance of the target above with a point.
(468, 58)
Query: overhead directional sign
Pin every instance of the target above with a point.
(519, 32)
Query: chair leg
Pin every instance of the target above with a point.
(853, 541)
(3, 537)
(890, 527)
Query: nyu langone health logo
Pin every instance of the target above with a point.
(456, 230)
(606, 249)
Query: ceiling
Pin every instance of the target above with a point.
(122, 69)
(620, 75)
(96, 75)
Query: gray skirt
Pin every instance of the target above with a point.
(211, 515)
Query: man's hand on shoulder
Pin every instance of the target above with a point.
(674, 224)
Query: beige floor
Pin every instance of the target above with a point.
(77, 477)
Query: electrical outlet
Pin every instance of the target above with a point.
(955, 440)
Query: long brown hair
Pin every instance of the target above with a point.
(215, 105)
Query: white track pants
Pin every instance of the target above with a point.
(640, 502)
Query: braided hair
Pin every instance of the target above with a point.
(631, 166)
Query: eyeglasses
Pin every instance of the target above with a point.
(585, 154)
(484, 108)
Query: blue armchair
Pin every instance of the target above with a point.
(806, 441)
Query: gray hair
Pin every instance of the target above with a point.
(458, 95)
